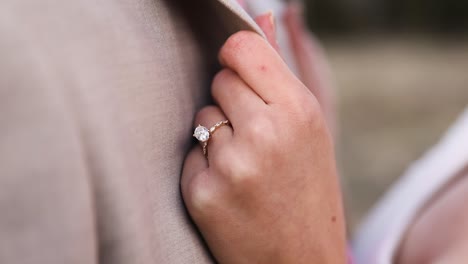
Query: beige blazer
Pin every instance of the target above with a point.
(97, 100)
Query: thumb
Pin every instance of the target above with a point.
(267, 23)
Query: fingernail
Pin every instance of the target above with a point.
(271, 19)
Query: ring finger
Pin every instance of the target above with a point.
(208, 117)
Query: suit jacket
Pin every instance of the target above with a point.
(97, 100)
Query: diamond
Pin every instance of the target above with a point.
(201, 133)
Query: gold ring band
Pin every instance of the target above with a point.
(218, 125)
(204, 134)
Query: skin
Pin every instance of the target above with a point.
(312, 64)
(268, 191)
(253, 200)
(313, 67)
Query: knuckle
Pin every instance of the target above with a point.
(244, 175)
(307, 110)
(260, 129)
(237, 44)
(237, 41)
(239, 171)
(197, 197)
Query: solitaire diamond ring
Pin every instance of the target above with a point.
(204, 134)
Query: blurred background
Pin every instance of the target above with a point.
(401, 69)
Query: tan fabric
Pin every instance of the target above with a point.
(97, 100)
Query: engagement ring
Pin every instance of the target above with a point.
(204, 134)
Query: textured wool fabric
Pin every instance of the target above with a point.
(97, 100)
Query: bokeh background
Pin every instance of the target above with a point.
(401, 69)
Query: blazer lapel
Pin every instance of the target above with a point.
(235, 17)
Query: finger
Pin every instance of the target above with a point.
(261, 67)
(305, 51)
(208, 117)
(267, 23)
(236, 99)
(195, 163)
(312, 65)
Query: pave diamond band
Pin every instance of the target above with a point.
(218, 125)
(204, 134)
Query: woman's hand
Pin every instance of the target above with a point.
(308, 55)
(311, 63)
(268, 191)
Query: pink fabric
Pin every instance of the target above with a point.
(242, 3)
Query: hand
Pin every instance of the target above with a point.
(311, 62)
(268, 192)
(309, 58)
